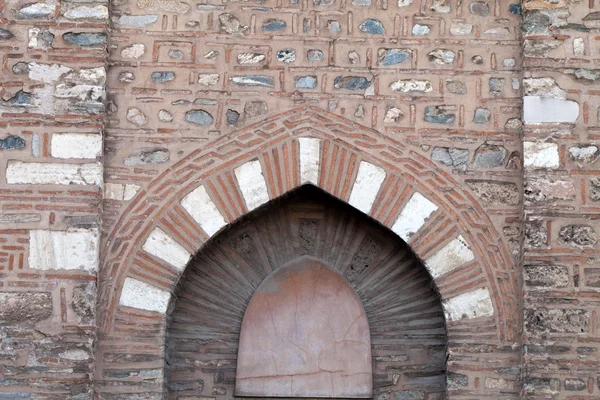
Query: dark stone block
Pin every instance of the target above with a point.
(489, 155)
(21, 99)
(456, 380)
(5, 34)
(540, 349)
(586, 351)
(387, 57)
(162, 76)
(372, 26)
(515, 9)
(85, 38)
(199, 117)
(452, 157)
(351, 83)
(232, 116)
(12, 143)
(273, 25)
(196, 385)
(438, 115)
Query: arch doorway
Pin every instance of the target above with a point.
(216, 311)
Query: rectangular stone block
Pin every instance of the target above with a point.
(539, 110)
(76, 145)
(448, 258)
(540, 155)
(19, 218)
(367, 185)
(252, 184)
(474, 304)
(310, 157)
(75, 249)
(163, 246)
(413, 216)
(201, 207)
(556, 320)
(19, 172)
(546, 275)
(141, 295)
(591, 277)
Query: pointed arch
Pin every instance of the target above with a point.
(301, 344)
(214, 186)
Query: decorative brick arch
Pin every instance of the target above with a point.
(181, 209)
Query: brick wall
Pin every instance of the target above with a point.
(562, 121)
(52, 78)
(200, 94)
(397, 108)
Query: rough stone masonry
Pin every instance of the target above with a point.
(133, 132)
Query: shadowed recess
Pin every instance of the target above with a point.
(299, 232)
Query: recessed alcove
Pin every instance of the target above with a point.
(230, 318)
(305, 333)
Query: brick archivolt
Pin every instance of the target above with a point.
(444, 225)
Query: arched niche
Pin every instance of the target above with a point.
(215, 295)
(305, 333)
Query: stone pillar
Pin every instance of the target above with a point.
(561, 119)
(52, 78)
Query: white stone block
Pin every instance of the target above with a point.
(539, 110)
(367, 184)
(163, 246)
(453, 255)
(540, 155)
(474, 304)
(130, 191)
(252, 184)
(75, 355)
(310, 160)
(47, 73)
(87, 12)
(201, 207)
(19, 172)
(119, 191)
(73, 249)
(413, 216)
(76, 145)
(143, 296)
(114, 191)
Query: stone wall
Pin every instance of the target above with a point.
(398, 108)
(209, 93)
(562, 121)
(52, 94)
